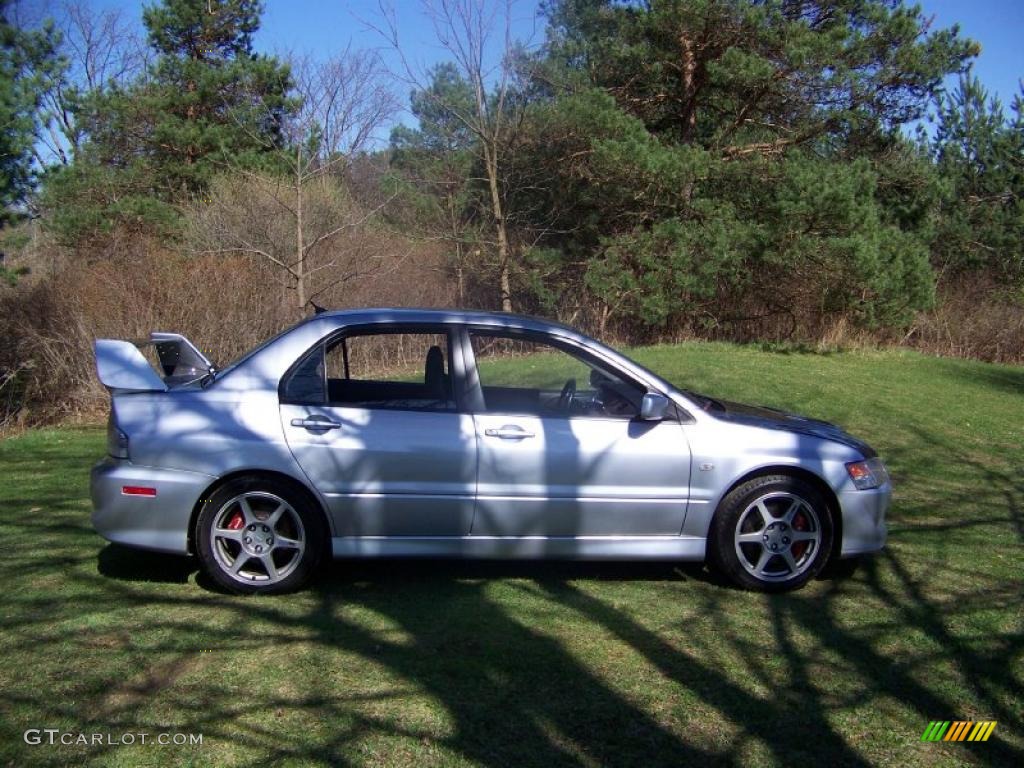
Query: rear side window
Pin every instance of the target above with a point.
(408, 371)
(306, 384)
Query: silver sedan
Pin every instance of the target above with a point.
(436, 433)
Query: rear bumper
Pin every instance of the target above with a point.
(864, 512)
(159, 522)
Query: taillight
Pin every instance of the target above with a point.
(117, 441)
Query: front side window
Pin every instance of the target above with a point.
(376, 370)
(522, 375)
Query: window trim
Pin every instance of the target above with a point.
(563, 344)
(455, 363)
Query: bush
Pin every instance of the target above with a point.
(976, 318)
(225, 304)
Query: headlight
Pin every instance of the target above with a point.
(868, 474)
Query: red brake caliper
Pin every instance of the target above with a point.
(236, 522)
(799, 547)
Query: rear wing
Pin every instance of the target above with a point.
(122, 367)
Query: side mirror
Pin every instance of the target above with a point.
(653, 407)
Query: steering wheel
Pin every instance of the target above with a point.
(568, 392)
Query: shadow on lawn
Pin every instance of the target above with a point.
(1003, 377)
(513, 694)
(134, 565)
(978, 483)
(509, 688)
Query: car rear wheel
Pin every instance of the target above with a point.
(771, 534)
(260, 535)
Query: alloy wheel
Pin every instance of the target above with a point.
(778, 537)
(257, 538)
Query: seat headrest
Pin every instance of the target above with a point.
(433, 373)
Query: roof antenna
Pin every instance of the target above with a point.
(317, 309)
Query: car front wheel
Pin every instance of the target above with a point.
(259, 535)
(771, 534)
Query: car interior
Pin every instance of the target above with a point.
(432, 392)
(607, 397)
(517, 376)
(329, 372)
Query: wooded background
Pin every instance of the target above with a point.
(783, 171)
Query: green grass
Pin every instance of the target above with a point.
(448, 663)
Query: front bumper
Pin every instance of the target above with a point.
(158, 523)
(864, 512)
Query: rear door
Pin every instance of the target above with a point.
(372, 419)
(561, 452)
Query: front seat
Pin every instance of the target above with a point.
(434, 376)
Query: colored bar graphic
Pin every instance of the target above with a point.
(958, 730)
(956, 733)
(935, 731)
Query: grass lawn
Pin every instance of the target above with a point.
(509, 664)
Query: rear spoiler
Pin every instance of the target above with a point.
(122, 367)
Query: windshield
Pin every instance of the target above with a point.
(704, 402)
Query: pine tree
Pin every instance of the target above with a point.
(979, 152)
(724, 161)
(28, 62)
(207, 104)
(212, 99)
(432, 170)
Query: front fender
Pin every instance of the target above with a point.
(724, 454)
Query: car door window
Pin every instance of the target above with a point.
(524, 375)
(407, 371)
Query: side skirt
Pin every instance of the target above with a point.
(526, 547)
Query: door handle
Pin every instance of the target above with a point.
(315, 424)
(509, 432)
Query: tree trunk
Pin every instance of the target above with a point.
(602, 326)
(688, 69)
(688, 72)
(460, 255)
(300, 255)
(501, 232)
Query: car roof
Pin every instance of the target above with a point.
(446, 316)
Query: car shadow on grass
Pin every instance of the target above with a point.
(122, 563)
(440, 570)
(134, 565)
(126, 564)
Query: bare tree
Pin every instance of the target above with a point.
(346, 98)
(315, 241)
(102, 47)
(292, 216)
(477, 36)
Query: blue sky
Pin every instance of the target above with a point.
(319, 27)
(287, 24)
(999, 26)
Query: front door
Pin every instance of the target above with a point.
(372, 420)
(561, 452)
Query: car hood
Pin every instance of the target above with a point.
(772, 418)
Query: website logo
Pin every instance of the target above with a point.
(958, 730)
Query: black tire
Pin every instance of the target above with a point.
(771, 534)
(841, 568)
(242, 530)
